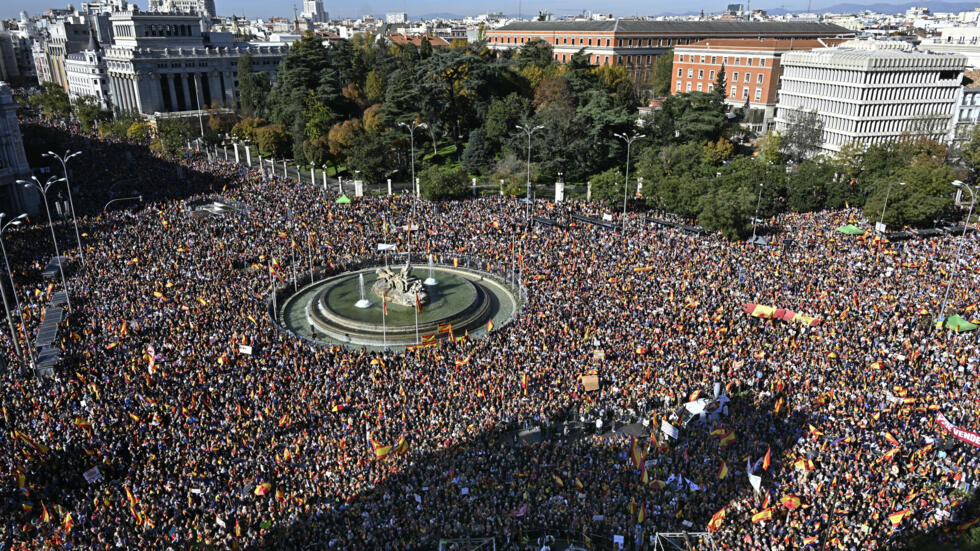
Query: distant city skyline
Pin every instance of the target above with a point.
(262, 8)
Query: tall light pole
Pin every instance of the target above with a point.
(755, 217)
(33, 183)
(64, 166)
(3, 227)
(881, 219)
(529, 131)
(411, 136)
(949, 280)
(626, 191)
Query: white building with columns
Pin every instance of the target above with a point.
(870, 92)
(167, 63)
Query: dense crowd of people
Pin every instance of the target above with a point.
(199, 444)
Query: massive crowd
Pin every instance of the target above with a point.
(200, 445)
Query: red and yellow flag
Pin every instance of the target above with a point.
(762, 516)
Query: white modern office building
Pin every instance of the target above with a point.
(870, 92)
(166, 63)
(197, 7)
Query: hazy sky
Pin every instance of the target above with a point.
(356, 8)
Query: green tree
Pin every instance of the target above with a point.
(253, 88)
(273, 140)
(245, 128)
(174, 134)
(425, 48)
(720, 90)
(441, 183)
(728, 211)
(90, 112)
(374, 87)
(139, 132)
(368, 153)
(718, 151)
(536, 52)
(52, 101)
(319, 118)
(803, 135)
(608, 187)
(476, 158)
(663, 72)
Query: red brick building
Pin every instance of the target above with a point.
(636, 44)
(752, 70)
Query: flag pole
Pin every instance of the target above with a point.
(384, 320)
(417, 304)
(272, 285)
(309, 253)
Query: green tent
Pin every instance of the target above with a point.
(850, 229)
(958, 324)
(343, 200)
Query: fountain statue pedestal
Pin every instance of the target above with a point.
(400, 288)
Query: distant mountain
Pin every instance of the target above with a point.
(937, 6)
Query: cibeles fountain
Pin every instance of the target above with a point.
(378, 305)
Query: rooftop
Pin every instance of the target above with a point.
(685, 27)
(762, 44)
(870, 54)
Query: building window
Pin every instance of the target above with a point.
(748, 77)
(678, 86)
(688, 86)
(738, 60)
(745, 92)
(711, 87)
(680, 72)
(680, 58)
(700, 87)
(735, 76)
(711, 75)
(762, 62)
(700, 74)
(590, 42)
(714, 59)
(690, 73)
(725, 60)
(758, 94)
(734, 91)
(748, 61)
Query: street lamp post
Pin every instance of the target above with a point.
(71, 203)
(529, 131)
(411, 136)
(755, 217)
(43, 190)
(3, 227)
(138, 197)
(881, 219)
(629, 142)
(949, 280)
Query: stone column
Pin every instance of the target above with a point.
(185, 84)
(237, 161)
(229, 90)
(173, 93)
(217, 94)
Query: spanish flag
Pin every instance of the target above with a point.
(791, 502)
(765, 460)
(418, 303)
(384, 305)
(490, 325)
(38, 447)
(728, 440)
(558, 480)
(429, 339)
(891, 439)
(68, 523)
(579, 485)
(723, 470)
(715, 522)
(811, 540)
(897, 516)
(642, 515)
(524, 382)
(762, 516)
(45, 515)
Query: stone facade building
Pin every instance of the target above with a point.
(87, 74)
(166, 63)
(14, 199)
